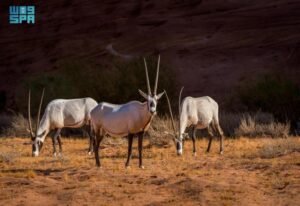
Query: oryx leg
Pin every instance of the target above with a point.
(130, 140)
(221, 136)
(54, 140)
(59, 143)
(140, 146)
(210, 137)
(88, 130)
(194, 140)
(98, 139)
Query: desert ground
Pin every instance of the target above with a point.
(260, 171)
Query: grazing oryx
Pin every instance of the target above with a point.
(198, 113)
(60, 113)
(130, 119)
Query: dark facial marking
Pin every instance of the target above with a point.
(151, 104)
(178, 146)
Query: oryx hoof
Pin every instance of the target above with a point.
(221, 152)
(127, 167)
(142, 167)
(54, 154)
(194, 154)
(90, 153)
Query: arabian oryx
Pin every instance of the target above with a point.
(130, 119)
(60, 113)
(198, 113)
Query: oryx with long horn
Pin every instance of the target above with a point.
(130, 119)
(60, 113)
(198, 113)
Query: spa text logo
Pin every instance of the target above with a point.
(22, 14)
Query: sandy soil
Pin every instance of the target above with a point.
(242, 176)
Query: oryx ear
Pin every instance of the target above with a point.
(143, 94)
(160, 95)
(185, 135)
(42, 134)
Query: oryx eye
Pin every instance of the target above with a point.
(151, 104)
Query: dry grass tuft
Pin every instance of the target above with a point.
(7, 157)
(160, 132)
(250, 126)
(253, 125)
(18, 127)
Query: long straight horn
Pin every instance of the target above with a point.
(29, 116)
(39, 111)
(147, 77)
(179, 107)
(171, 114)
(157, 74)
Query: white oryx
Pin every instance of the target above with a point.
(198, 113)
(60, 113)
(130, 119)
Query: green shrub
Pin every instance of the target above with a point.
(272, 93)
(116, 82)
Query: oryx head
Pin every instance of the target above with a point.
(152, 99)
(36, 138)
(178, 136)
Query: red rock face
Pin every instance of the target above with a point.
(213, 45)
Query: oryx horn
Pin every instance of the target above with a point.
(147, 77)
(157, 74)
(29, 116)
(171, 114)
(179, 107)
(39, 111)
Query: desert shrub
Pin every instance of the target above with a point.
(161, 132)
(251, 127)
(116, 82)
(273, 93)
(18, 127)
(229, 122)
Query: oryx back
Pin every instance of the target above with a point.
(72, 113)
(199, 111)
(120, 120)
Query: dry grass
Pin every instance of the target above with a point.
(258, 171)
(18, 127)
(161, 131)
(259, 124)
(251, 127)
(271, 149)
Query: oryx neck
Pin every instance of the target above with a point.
(43, 128)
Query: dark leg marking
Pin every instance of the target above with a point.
(140, 146)
(98, 140)
(194, 139)
(59, 143)
(210, 132)
(88, 129)
(130, 140)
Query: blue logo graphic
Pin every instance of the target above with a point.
(22, 14)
